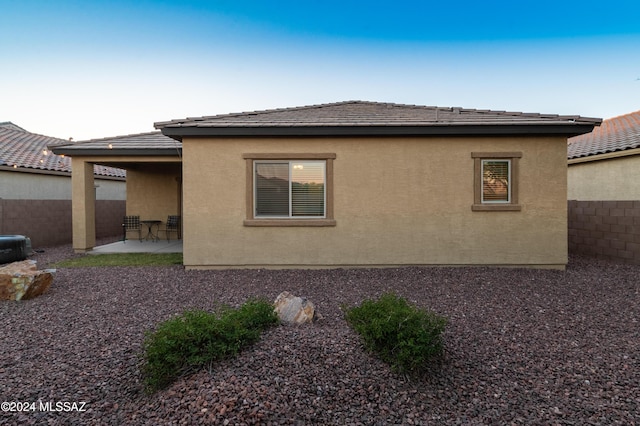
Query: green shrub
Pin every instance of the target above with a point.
(198, 338)
(401, 335)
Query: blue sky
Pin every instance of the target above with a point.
(91, 69)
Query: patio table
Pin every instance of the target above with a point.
(150, 224)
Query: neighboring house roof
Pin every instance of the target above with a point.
(615, 134)
(152, 143)
(10, 125)
(24, 150)
(359, 118)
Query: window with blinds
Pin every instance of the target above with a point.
(286, 189)
(496, 176)
(495, 181)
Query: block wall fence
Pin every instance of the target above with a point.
(48, 222)
(602, 229)
(605, 229)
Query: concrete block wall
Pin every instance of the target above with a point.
(48, 222)
(605, 229)
(109, 214)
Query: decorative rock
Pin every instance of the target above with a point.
(22, 280)
(295, 310)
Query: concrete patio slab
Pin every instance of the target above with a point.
(135, 246)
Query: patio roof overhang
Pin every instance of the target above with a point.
(152, 144)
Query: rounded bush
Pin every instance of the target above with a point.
(198, 338)
(401, 335)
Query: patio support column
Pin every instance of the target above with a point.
(83, 205)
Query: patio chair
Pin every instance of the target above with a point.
(131, 224)
(173, 225)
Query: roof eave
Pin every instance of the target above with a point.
(563, 129)
(597, 156)
(106, 152)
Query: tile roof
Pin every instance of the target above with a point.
(615, 134)
(152, 143)
(10, 125)
(21, 149)
(368, 117)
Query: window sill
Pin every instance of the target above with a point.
(289, 222)
(496, 207)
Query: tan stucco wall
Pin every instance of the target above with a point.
(153, 191)
(614, 179)
(397, 202)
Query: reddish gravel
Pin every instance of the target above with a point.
(523, 347)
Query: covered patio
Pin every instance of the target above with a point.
(153, 163)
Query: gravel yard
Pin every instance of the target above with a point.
(522, 347)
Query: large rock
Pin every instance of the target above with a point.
(22, 280)
(294, 310)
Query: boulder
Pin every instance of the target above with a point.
(22, 280)
(295, 310)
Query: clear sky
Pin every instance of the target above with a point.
(91, 69)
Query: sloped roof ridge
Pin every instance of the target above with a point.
(11, 125)
(32, 134)
(27, 150)
(634, 114)
(616, 134)
(155, 132)
(257, 112)
(374, 103)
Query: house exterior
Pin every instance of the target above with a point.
(357, 184)
(35, 190)
(153, 165)
(604, 190)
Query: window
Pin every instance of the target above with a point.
(285, 189)
(289, 189)
(496, 175)
(496, 181)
